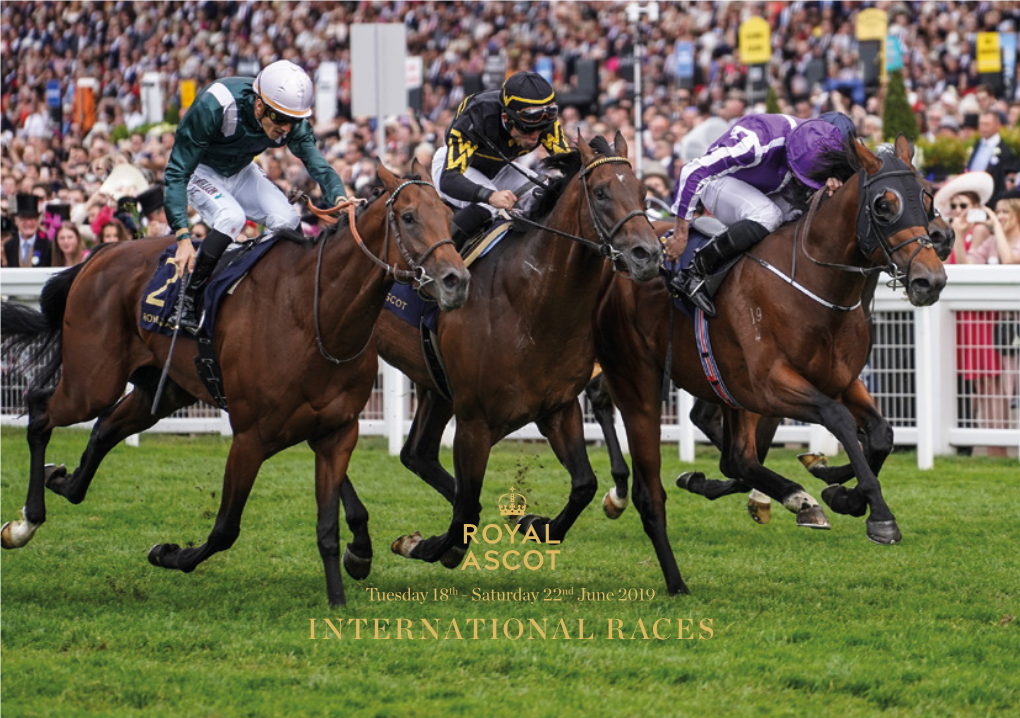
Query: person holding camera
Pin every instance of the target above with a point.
(961, 200)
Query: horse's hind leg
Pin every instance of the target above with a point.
(615, 501)
(131, 415)
(15, 534)
(420, 453)
(565, 431)
(742, 456)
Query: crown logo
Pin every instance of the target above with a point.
(512, 504)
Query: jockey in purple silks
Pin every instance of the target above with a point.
(753, 179)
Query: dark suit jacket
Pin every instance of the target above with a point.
(1000, 164)
(40, 248)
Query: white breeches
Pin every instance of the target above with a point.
(731, 200)
(226, 202)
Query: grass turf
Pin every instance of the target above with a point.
(802, 621)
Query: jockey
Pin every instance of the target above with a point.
(211, 166)
(753, 179)
(475, 171)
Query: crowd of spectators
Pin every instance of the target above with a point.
(814, 68)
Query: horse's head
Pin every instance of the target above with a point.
(893, 221)
(420, 224)
(613, 199)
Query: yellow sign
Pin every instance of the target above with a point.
(989, 54)
(755, 41)
(187, 93)
(872, 24)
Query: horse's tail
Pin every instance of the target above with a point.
(35, 337)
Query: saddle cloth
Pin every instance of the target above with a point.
(159, 301)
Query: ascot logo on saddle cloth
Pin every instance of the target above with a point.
(511, 506)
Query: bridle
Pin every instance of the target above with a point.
(872, 232)
(604, 246)
(414, 275)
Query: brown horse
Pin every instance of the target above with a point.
(294, 342)
(779, 353)
(709, 418)
(521, 349)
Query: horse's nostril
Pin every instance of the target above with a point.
(920, 285)
(451, 281)
(640, 254)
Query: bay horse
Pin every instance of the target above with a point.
(778, 353)
(294, 341)
(521, 348)
(709, 418)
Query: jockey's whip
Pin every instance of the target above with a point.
(179, 307)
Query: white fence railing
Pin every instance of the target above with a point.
(937, 373)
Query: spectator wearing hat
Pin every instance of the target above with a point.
(990, 154)
(959, 200)
(150, 211)
(28, 248)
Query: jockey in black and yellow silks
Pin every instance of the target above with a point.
(473, 170)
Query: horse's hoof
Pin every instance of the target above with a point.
(15, 534)
(813, 461)
(533, 523)
(404, 545)
(842, 500)
(159, 552)
(760, 511)
(612, 505)
(453, 556)
(53, 476)
(357, 567)
(813, 517)
(684, 479)
(885, 533)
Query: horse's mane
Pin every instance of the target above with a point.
(565, 165)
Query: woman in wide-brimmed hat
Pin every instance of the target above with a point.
(958, 197)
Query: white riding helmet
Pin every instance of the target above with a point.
(286, 88)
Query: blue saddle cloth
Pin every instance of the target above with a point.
(695, 241)
(160, 298)
(408, 305)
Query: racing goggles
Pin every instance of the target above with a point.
(278, 118)
(537, 116)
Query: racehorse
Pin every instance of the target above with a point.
(709, 417)
(294, 342)
(778, 353)
(521, 348)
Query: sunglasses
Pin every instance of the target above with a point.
(959, 206)
(535, 115)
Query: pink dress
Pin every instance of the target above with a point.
(975, 347)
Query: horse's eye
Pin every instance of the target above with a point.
(600, 195)
(407, 217)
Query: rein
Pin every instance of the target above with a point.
(416, 272)
(604, 246)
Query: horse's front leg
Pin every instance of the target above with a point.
(837, 418)
(420, 453)
(471, 448)
(615, 501)
(637, 393)
(332, 457)
(246, 456)
(565, 431)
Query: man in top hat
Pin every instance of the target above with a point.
(150, 209)
(28, 248)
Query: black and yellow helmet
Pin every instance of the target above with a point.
(529, 101)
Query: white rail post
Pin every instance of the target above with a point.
(393, 407)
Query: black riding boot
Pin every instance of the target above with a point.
(708, 260)
(467, 222)
(205, 262)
